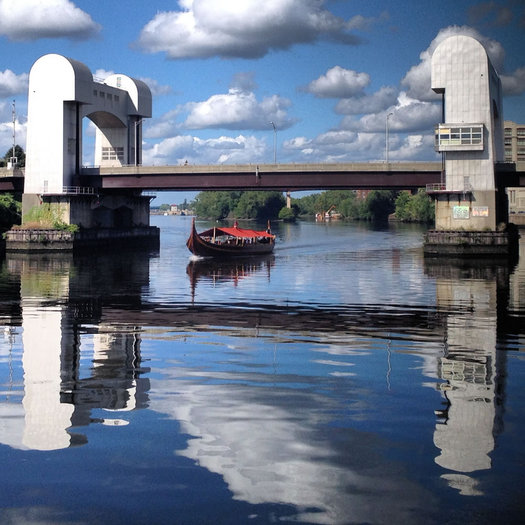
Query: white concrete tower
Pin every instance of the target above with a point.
(61, 92)
(471, 136)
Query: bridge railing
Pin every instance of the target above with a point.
(71, 190)
(436, 187)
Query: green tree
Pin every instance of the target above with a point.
(10, 211)
(261, 205)
(19, 154)
(415, 208)
(215, 204)
(380, 204)
(288, 214)
(402, 211)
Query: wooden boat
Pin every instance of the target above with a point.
(230, 242)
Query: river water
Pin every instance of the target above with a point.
(344, 379)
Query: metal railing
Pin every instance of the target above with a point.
(78, 190)
(71, 190)
(435, 187)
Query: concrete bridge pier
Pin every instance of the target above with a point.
(471, 210)
(57, 214)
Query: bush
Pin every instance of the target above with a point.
(10, 211)
(287, 214)
(47, 217)
(415, 208)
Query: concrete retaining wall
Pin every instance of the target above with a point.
(40, 240)
(470, 243)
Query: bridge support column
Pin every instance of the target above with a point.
(471, 224)
(69, 222)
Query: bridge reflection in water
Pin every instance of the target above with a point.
(84, 319)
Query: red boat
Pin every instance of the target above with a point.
(230, 242)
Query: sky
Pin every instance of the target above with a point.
(250, 81)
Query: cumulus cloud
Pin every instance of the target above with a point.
(362, 23)
(378, 101)
(247, 29)
(244, 81)
(6, 130)
(417, 80)
(238, 110)
(12, 84)
(221, 150)
(156, 89)
(336, 146)
(408, 115)
(514, 84)
(338, 82)
(347, 146)
(34, 19)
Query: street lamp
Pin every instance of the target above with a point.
(274, 143)
(386, 137)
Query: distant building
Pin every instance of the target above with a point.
(515, 152)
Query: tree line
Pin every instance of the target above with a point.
(375, 205)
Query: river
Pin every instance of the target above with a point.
(344, 379)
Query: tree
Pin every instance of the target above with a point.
(415, 208)
(19, 154)
(261, 205)
(10, 211)
(215, 204)
(380, 204)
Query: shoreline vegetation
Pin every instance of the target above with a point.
(374, 205)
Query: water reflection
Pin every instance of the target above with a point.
(59, 390)
(471, 367)
(214, 271)
(282, 401)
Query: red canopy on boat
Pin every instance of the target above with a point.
(235, 231)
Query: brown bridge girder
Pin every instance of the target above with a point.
(280, 177)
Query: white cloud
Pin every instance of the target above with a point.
(361, 23)
(339, 83)
(12, 84)
(101, 74)
(238, 110)
(247, 29)
(221, 150)
(244, 81)
(6, 134)
(407, 115)
(514, 84)
(34, 19)
(417, 80)
(156, 88)
(336, 146)
(378, 101)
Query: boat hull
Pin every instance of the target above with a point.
(199, 246)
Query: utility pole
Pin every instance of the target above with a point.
(13, 159)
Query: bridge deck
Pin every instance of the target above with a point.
(282, 177)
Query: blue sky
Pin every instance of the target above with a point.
(326, 72)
